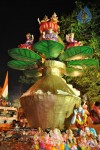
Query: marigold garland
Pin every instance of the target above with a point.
(82, 122)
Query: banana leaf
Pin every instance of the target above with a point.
(20, 65)
(48, 48)
(83, 63)
(24, 54)
(76, 52)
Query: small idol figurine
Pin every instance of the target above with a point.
(45, 19)
(54, 18)
(29, 42)
(79, 118)
(50, 35)
(71, 41)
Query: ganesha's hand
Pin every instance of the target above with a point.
(74, 117)
(38, 20)
(75, 112)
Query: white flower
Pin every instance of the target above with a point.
(39, 92)
(61, 92)
(49, 93)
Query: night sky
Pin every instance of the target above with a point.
(16, 20)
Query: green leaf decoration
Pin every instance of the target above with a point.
(83, 63)
(20, 65)
(48, 48)
(23, 54)
(74, 72)
(76, 52)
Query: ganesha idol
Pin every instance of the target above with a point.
(49, 103)
(71, 41)
(50, 29)
(29, 42)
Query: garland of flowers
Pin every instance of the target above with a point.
(82, 122)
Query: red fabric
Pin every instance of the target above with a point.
(96, 109)
(47, 25)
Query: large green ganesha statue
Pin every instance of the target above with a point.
(49, 103)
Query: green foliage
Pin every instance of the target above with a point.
(88, 33)
(16, 103)
(88, 84)
(30, 76)
(25, 80)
